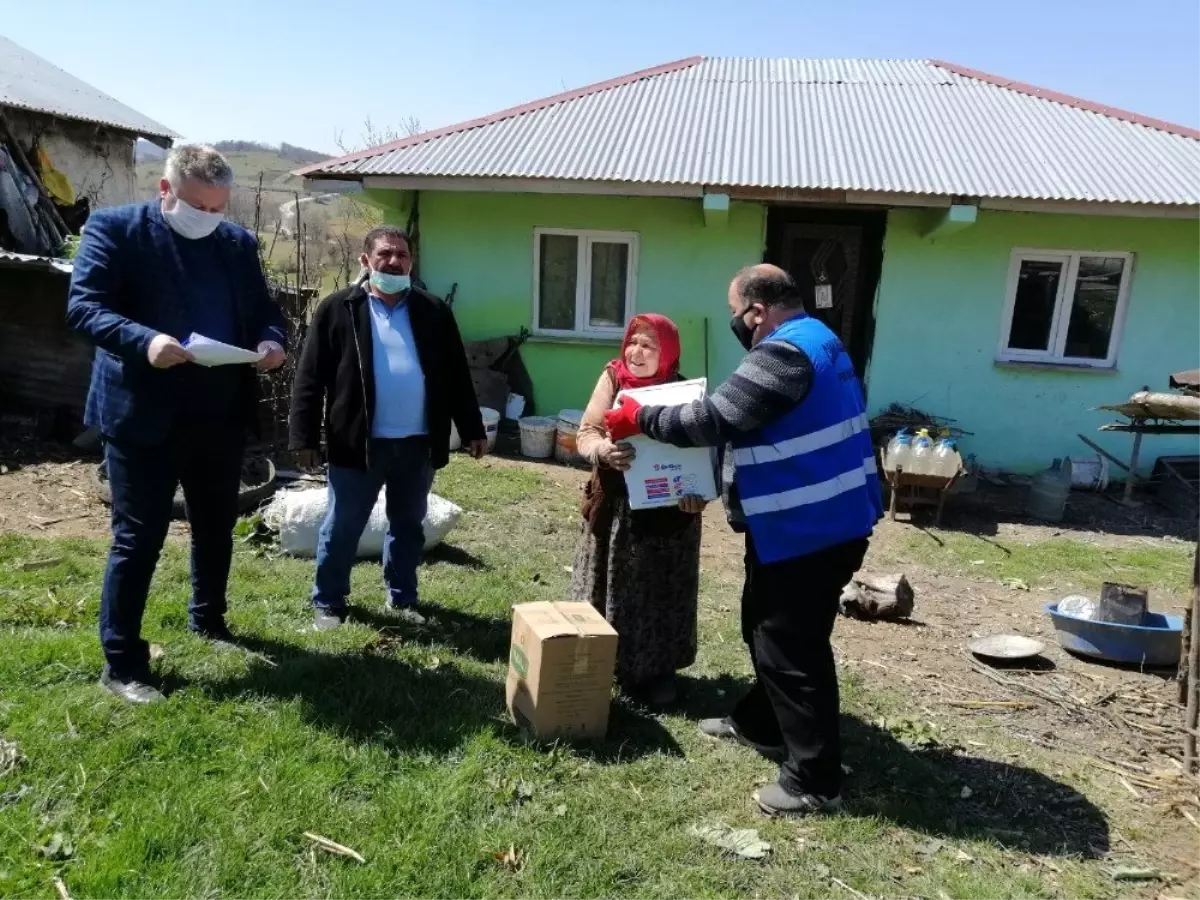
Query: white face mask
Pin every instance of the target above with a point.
(189, 222)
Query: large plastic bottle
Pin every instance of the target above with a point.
(899, 452)
(1049, 491)
(946, 461)
(922, 454)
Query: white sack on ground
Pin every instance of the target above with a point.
(297, 515)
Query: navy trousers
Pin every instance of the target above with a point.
(207, 462)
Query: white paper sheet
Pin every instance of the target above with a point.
(660, 473)
(208, 352)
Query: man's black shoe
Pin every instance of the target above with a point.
(135, 691)
(725, 730)
(328, 619)
(217, 634)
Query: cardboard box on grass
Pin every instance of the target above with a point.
(560, 670)
(661, 474)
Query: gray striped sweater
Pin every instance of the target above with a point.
(771, 380)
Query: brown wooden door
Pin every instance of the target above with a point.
(825, 260)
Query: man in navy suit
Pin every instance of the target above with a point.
(146, 277)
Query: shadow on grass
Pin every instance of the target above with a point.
(455, 556)
(922, 790)
(982, 513)
(485, 638)
(374, 697)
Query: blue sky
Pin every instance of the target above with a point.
(304, 70)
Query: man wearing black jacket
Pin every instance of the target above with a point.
(383, 365)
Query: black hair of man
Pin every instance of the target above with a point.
(375, 235)
(768, 285)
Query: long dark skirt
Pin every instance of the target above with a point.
(646, 585)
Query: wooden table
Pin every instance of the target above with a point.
(917, 488)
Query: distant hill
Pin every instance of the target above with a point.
(285, 151)
(249, 159)
(144, 151)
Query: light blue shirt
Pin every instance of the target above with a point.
(399, 379)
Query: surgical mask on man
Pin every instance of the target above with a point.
(390, 283)
(189, 222)
(743, 332)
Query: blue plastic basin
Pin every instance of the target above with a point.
(1156, 643)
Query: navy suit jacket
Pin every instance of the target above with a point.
(127, 287)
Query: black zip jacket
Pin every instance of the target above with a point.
(335, 379)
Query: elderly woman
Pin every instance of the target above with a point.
(640, 569)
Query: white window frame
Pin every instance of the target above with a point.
(1055, 354)
(583, 281)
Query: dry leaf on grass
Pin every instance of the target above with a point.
(337, 849)
(511, 860)
(743, 842)
(10, 756)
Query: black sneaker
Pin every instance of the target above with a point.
(134, 690)
(217, 634)
(407, 613)
(328, 619)
(777, 801)
(724, 729)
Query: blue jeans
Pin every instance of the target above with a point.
(403, 467)
(207, 462)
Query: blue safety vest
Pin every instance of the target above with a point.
(808, 480)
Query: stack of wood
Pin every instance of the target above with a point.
(47, 220)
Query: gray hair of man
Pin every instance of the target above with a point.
(197, 162)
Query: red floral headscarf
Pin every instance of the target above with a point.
(667, 336)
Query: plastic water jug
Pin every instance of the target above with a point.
(946, 461)
(1048, 494)
(922, 454)
(899, 452)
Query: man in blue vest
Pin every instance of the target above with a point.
(146, 277)
(799, 479)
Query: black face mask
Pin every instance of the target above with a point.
(743, 332)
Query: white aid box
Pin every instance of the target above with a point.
(661, 473)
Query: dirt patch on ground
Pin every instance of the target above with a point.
(50, 492)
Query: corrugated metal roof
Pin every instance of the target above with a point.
(895, 126)
(29, 82)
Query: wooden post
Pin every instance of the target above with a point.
(1127, 499)
(1192, 717)
(1183, 675)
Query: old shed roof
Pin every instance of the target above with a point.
(916, 127)
(29, 82)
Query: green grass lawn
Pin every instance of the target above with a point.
(394, 742)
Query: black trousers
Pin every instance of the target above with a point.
(207, 462)
(788, 611)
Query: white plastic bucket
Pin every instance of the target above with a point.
(538, 435)
(491, 426)
(1089, 473)
(514, 407)
(566, 451)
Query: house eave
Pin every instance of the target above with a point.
(801, 196)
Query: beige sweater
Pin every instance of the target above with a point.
(592, 433)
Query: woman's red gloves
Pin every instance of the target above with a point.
(622, 422)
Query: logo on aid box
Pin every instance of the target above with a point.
(684, 485)
(658, 489)
(668, 467)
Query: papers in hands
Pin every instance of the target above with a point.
(207, 352)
